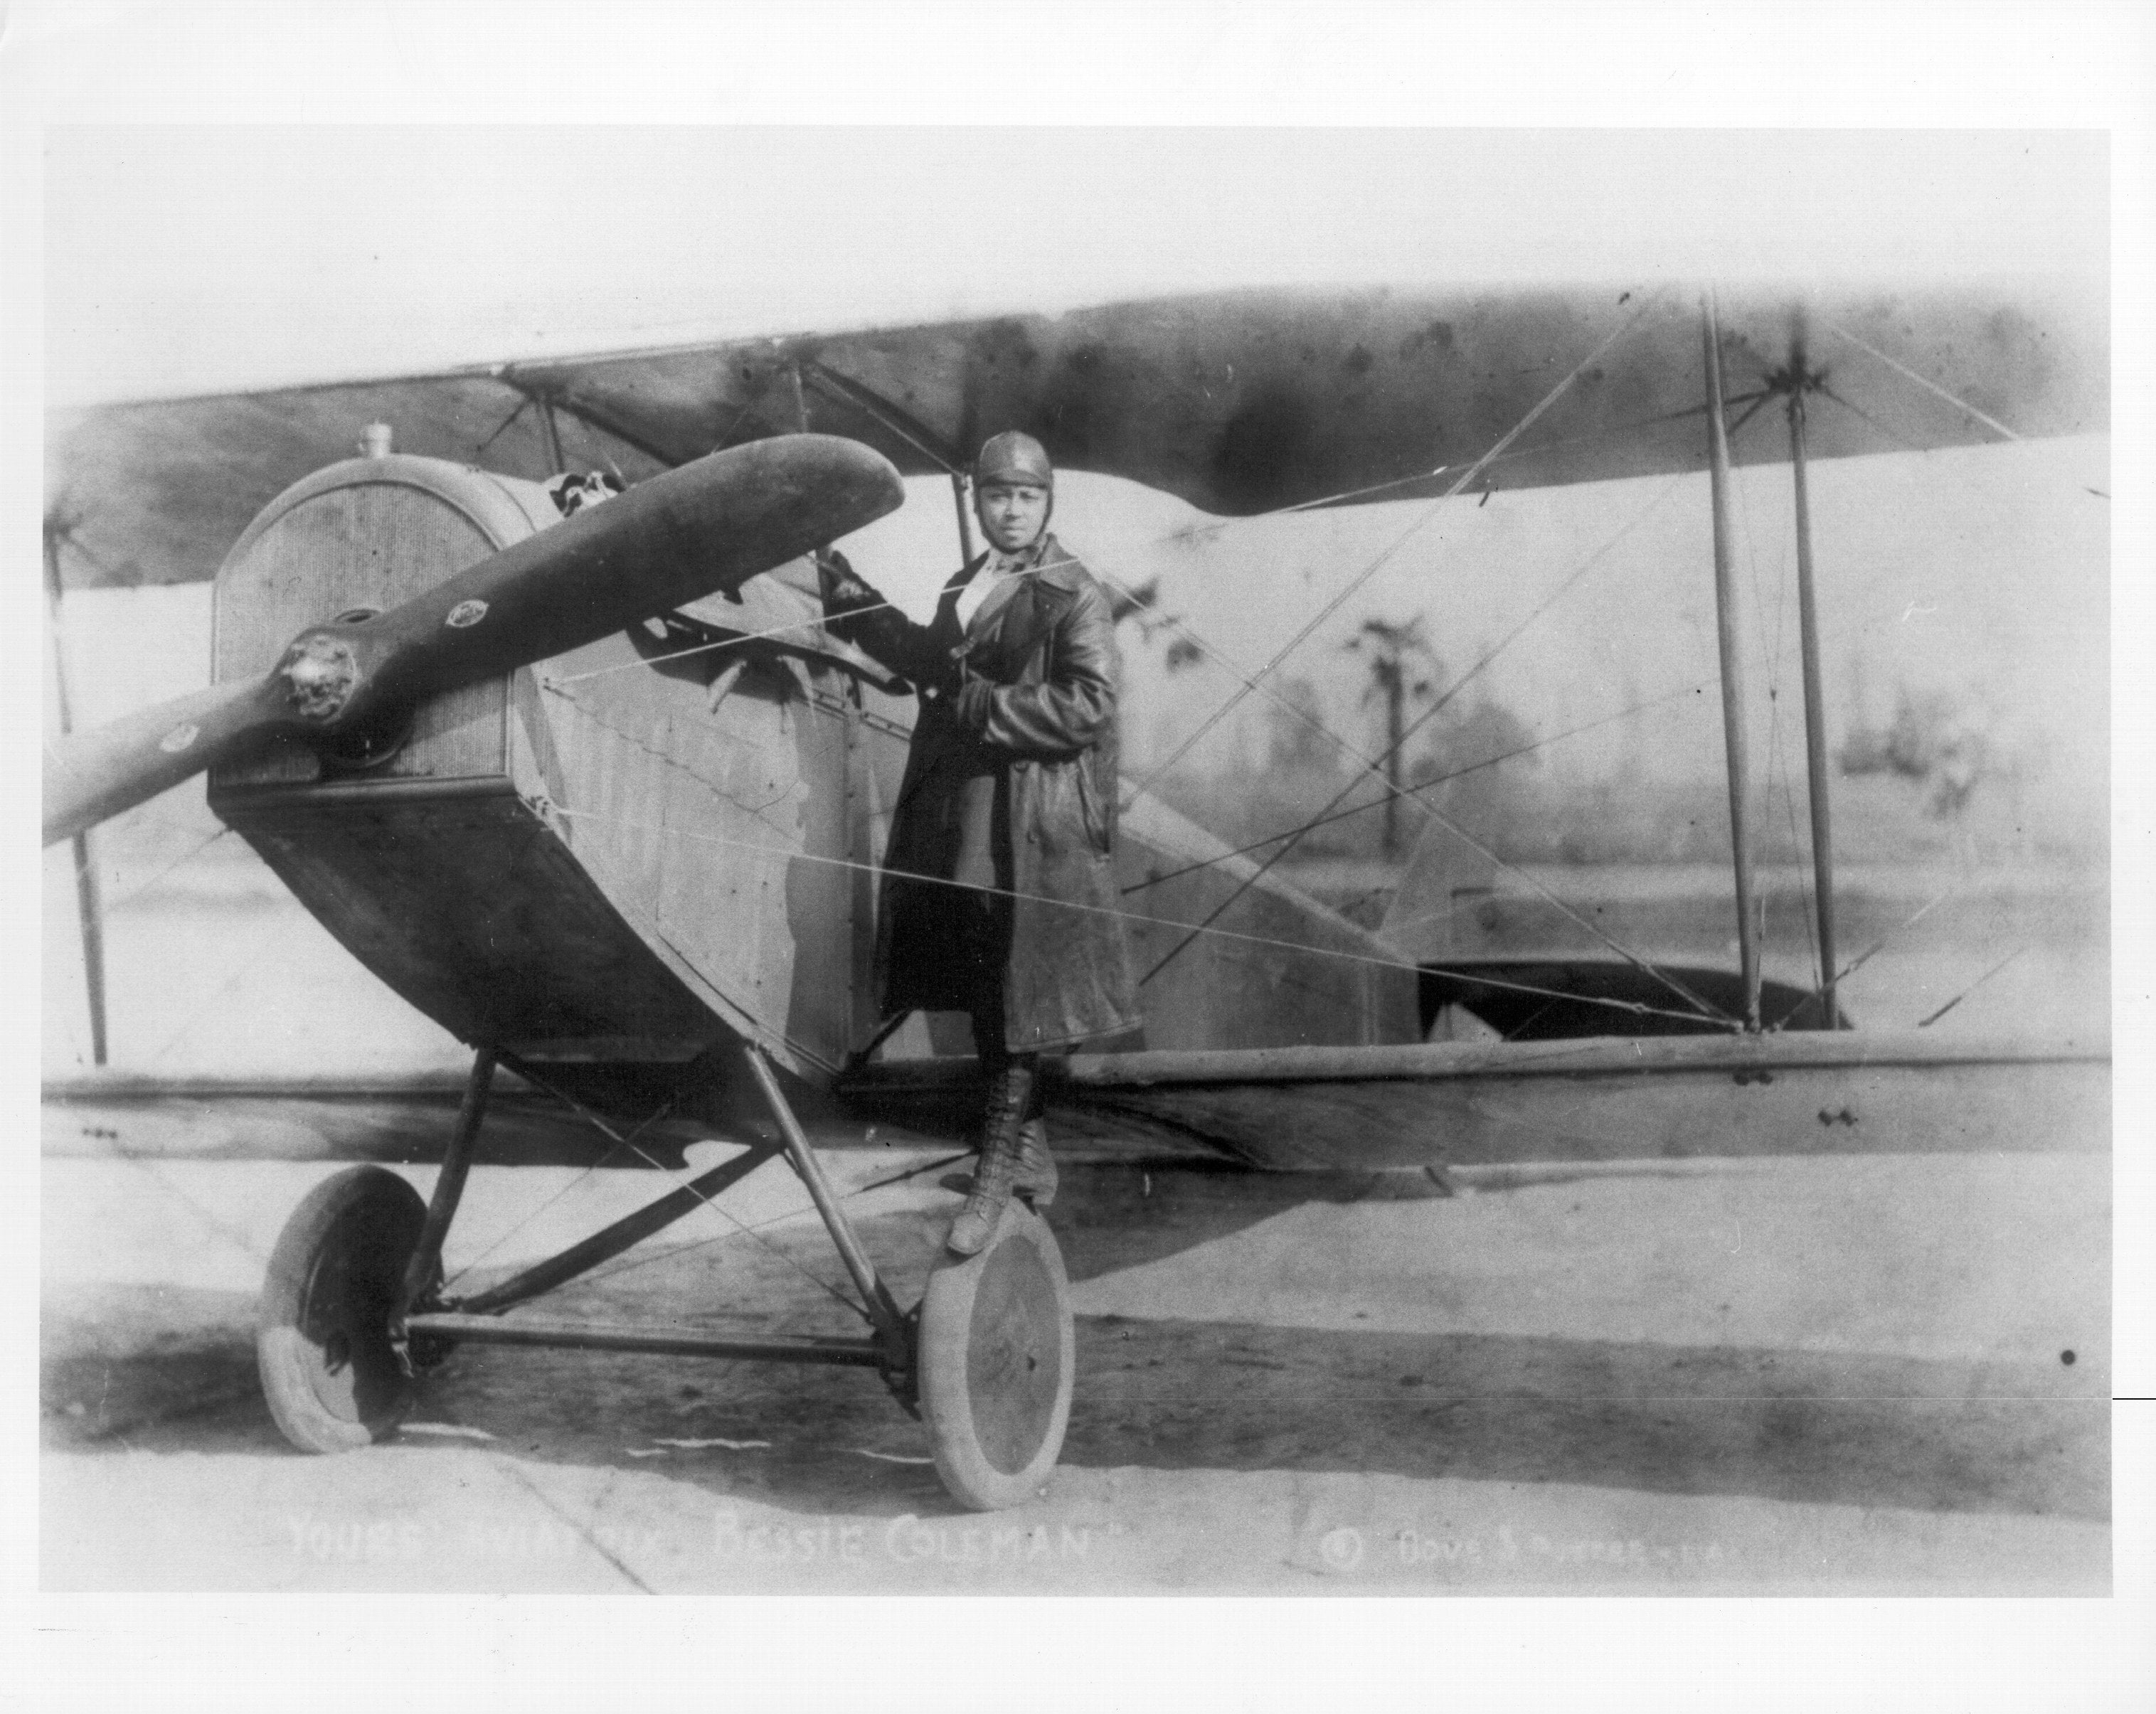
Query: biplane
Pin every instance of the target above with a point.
(579, 774)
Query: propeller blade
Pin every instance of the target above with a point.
(91, 776)
(707, 526)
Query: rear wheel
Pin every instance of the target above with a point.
(997, 1359)
(321, 1337)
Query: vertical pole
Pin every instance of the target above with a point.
(1730, 632)
(1395, 740)
(965, 524)
(1814, 707)
(90, 905)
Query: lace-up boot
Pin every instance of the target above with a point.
(1009, 1094)
(1036, 1179)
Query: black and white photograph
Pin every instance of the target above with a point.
(970, 859)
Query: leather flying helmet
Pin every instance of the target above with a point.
(1012, 457)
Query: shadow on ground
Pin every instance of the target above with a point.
(161, 1371)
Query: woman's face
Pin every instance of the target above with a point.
(1013, 514)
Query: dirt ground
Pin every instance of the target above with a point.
(1806, 1376)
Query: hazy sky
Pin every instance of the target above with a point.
(204, 258)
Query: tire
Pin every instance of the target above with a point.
(996, 1362)
(321, 1336)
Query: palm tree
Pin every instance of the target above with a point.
(1396, 653)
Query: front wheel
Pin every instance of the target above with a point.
(997, 1361)
(321, 1336)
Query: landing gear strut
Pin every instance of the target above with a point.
(353, 1300)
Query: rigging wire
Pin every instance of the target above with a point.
(1497, 452)
(1373, 767)
(154, 1169)
(1370, 767)
(1902, 440)
(816, 621)
(1182, 628)
(812, 622)
(107, 907)
(1637, 1007)
(1703, 1009)
(1413, 792)
(1428, 513)
(1927, 1023)
(1756, 404)
(611, 1148)
(1539, 449)
(676, 1252)
(1857, 410)
(1929, 385)
(1248, 682)
(135, 892)
(1435, 814)
(1452, 826)
(2009, 435)
(1443, 914)
(1571, 580)
(687, 1185)
(1866, 957)
(1179, 626)
(271, 939)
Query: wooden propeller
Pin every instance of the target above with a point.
(709, 526)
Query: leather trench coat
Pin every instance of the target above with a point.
(1017, 723)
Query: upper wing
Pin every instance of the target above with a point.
(1236, 402)
(158, 492)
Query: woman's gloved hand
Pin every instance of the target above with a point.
(843, 589)
(857, 612)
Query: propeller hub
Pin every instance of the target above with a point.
(321, 672)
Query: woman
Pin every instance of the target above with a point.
(999, 896)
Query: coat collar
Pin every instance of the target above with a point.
(1056, 568)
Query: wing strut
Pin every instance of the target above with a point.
(965, 528)
(1798, 379)
(1730, 633)
(89, 907)
(898, 421)
(544, 395)
(555, 462)
(892, 418)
